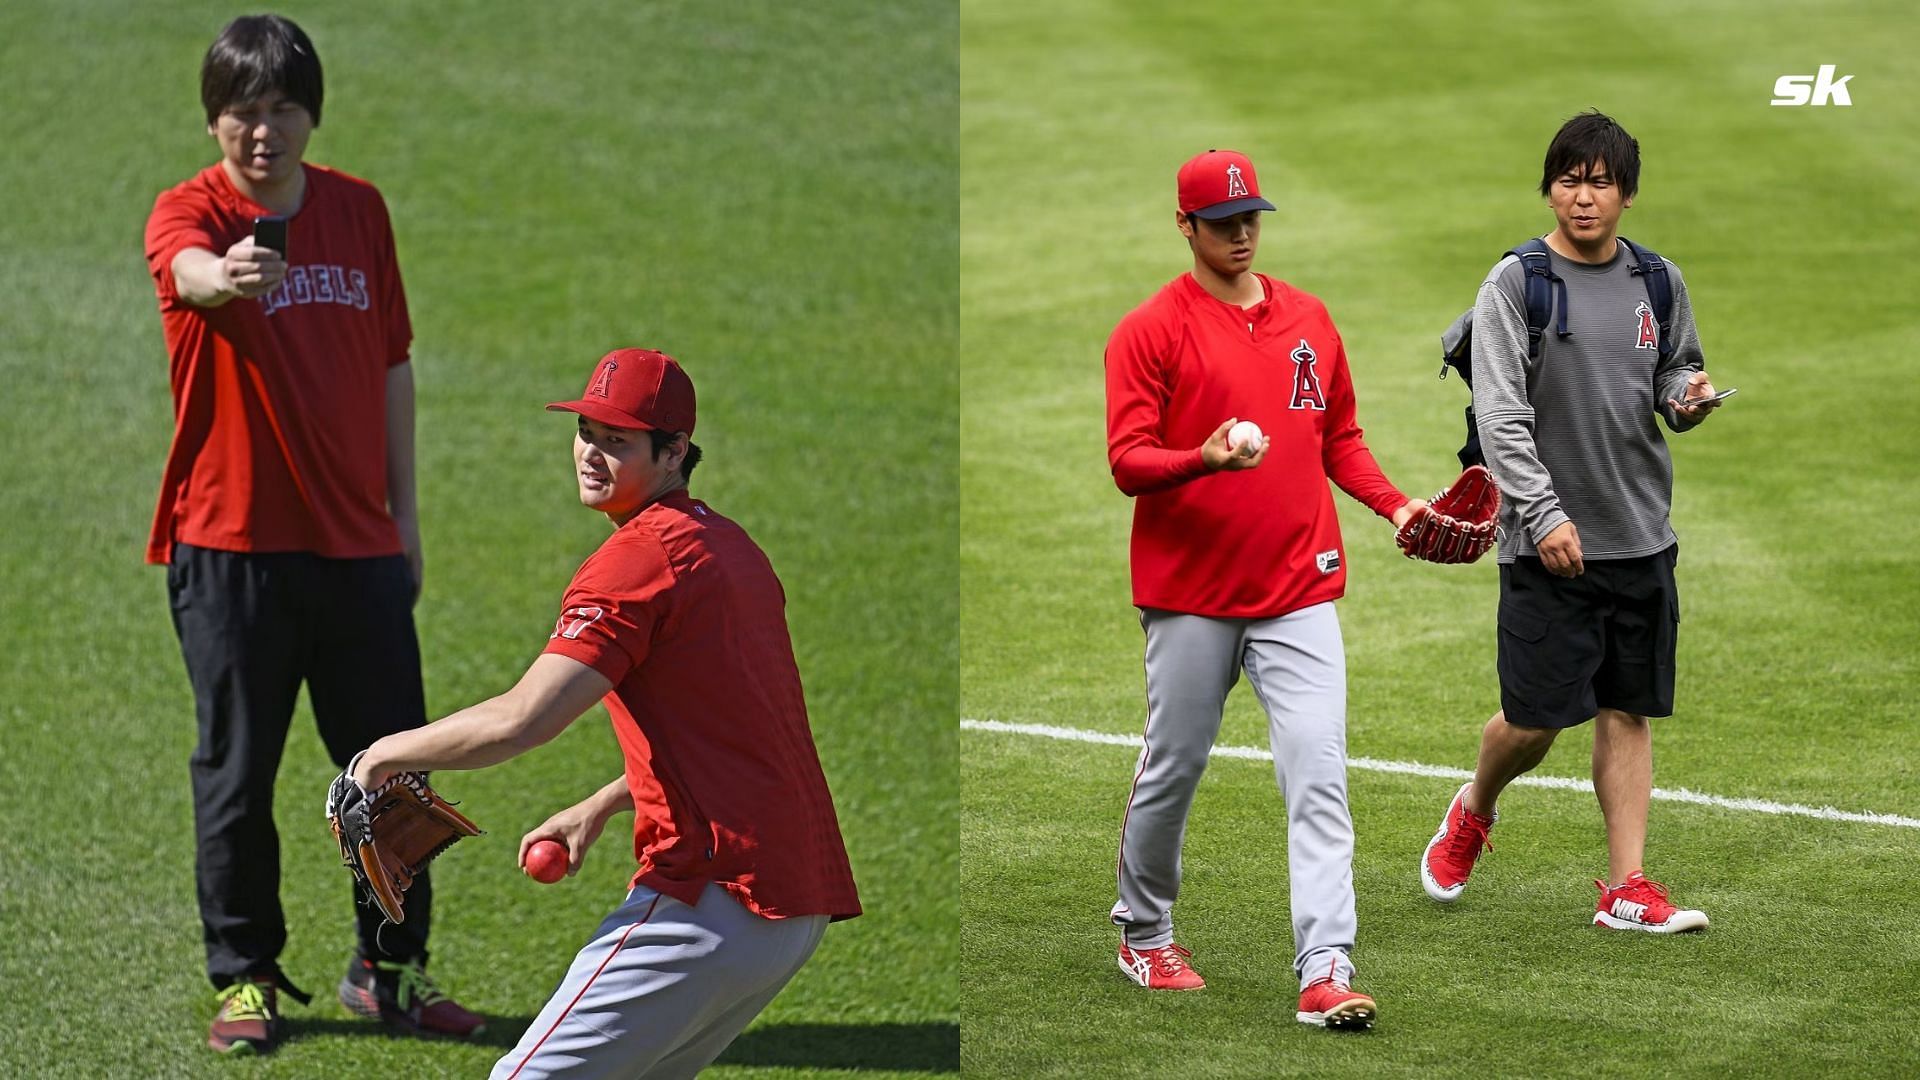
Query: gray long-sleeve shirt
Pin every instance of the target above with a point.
(1572, 434)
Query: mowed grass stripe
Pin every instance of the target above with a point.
(1795, 978)
(1418, 768)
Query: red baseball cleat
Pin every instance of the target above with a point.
(1335, 1006)
(402, 997)
(1164, 968)
(1451, 853)
(1641, 904)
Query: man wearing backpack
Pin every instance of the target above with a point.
(1566, 396)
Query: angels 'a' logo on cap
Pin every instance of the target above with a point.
(1236, 187)
(603, 384)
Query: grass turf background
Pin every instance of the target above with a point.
(767, 191)
(1402, 145)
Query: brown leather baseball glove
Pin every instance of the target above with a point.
(388, 835)
(1457, 525)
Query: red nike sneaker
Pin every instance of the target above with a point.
(1451, 853)
(1639, 903)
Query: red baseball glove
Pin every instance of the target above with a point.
(1457, 526)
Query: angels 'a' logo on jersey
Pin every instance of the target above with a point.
(1649, 330)
(574, 621)
(1236, 187)
(1306, 382)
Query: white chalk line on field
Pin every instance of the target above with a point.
(1415, 768)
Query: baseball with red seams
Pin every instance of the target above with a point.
(546, 861)
(1244, 438)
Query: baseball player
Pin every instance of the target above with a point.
(678, 623)
(1237, 560)
(1589, 611)
(286, 516)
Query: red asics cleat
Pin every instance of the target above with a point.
(1451, 853)
(1164, 968)
(1640, 904)
(1335, 1006)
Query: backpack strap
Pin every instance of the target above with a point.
(1542, 284)
(1659, 291)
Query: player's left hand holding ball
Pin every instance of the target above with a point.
(573, 829)
(545, 861)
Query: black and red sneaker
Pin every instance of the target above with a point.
(402, 997)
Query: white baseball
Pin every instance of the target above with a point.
(1244, 438)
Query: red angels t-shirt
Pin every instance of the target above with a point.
(1254, 543)
(682, 611)
(280, 438)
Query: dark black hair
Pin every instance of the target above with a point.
(1589, 137)
(255, 54)
(663, 439)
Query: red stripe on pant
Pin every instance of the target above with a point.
(1120, 863)
(558, 1020)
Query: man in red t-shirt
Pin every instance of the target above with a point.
(1237, 560)
(678, 624)
(286, 515)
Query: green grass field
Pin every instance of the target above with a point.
(1402, 145)
(768, 192)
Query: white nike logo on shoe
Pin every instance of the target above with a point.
(1627, 909)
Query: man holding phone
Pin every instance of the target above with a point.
(286, 515)
(1589, 609)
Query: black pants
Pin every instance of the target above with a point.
(252, 627)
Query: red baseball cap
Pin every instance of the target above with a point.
(1220, 183)
(636, 388)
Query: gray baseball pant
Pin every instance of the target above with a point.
(1297, 666)
(661, 989)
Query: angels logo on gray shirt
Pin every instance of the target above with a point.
(1574, 435)
(1646, 331)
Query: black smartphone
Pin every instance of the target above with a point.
(1721, 396)
(271, 232)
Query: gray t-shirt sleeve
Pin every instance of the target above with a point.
(1501, 404)
(1670, 379)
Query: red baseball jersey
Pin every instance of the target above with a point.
(682, 611)
(1256, 543)
(279, 402)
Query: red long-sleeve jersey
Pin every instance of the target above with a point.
(1252, 543)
